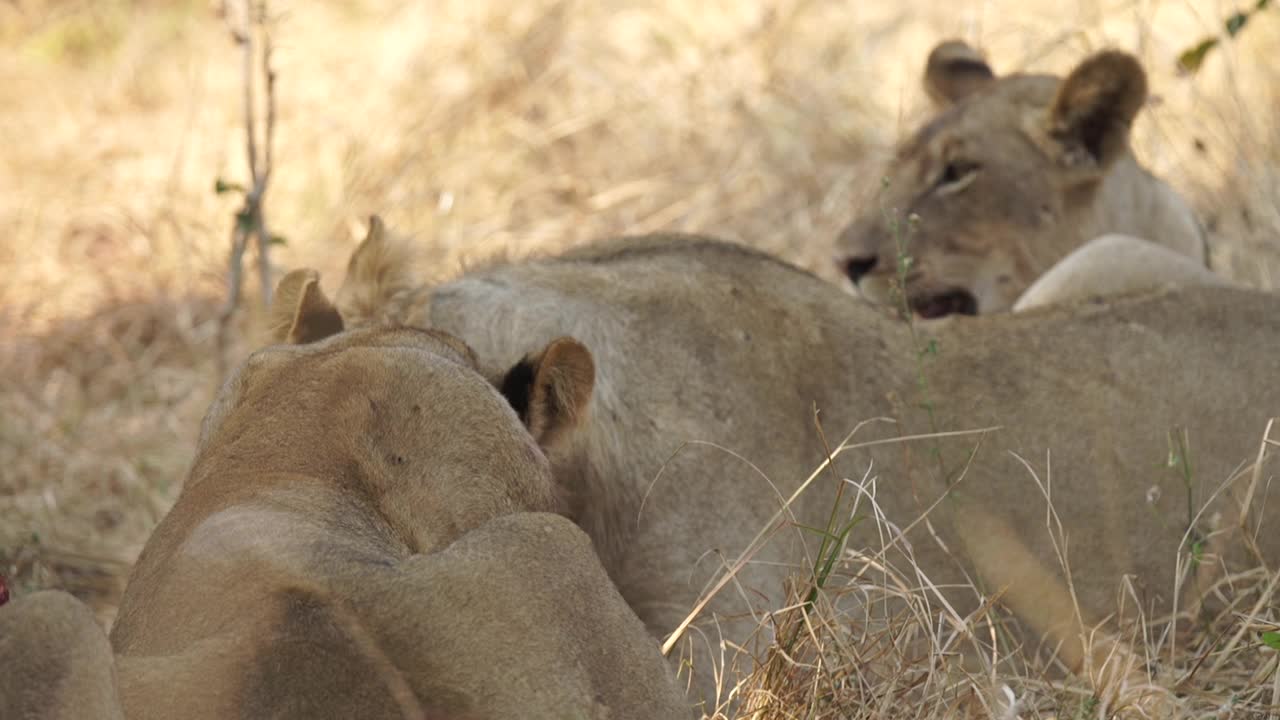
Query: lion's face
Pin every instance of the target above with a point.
(406, 420)
(983, 198)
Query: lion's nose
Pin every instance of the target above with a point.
(857, 266)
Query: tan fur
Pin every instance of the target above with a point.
(712, 344)
(56, 661)
(365, 533)
(1010, 176)
(1111, 265)
(385, 277)
(300, 312)
(953, 71)
(561, 388)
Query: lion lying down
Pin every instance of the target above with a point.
(711, 360)
(367, 532)
(1010, 177)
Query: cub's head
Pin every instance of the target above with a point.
(398, 417)
(994, 189)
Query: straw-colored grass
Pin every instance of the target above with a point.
(881, 641)
(484, 127)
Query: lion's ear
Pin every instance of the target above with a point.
(300, 312)
(954, 71)
(1095, 105)
(366, 256)
(379, 274)
(551, 390)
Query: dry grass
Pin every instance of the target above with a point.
(484, 126)
(898, 649)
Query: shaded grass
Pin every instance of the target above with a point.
(97, 421)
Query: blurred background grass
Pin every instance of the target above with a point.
(481, 127)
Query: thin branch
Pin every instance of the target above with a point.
(250, 219)
(264, 255)
(245, 38)
(235, 270)
(270, 74)
(261, 178)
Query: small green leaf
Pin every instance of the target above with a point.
(277, 240)
(820, 532)
(1197, 553)
(221, 187)
(1236, 22)
(1192, 58)
(1271, 639)
(244, 221)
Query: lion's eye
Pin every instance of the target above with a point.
(956, 174)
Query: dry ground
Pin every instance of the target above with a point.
(481, 127)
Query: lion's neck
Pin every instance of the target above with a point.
(1132, 201)
(245, 534)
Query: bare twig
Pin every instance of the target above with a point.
(239, 240)
(245, 40)
(250, 219)
(261, 179)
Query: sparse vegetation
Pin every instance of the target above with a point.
(250, 28)
(925, 350)
(485, 127)
(1193, 57)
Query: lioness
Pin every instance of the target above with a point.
(712, 359)
(1011, 176)
(365, 532)
(56, 661)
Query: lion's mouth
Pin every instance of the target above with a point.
(952, 302)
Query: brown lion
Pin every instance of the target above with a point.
(711, 360)
(1010, 176)
(366, 532)
(56, 659)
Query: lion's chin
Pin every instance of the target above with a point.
(951, 302)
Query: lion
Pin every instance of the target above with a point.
(714, 362)
(369, 530)
(1011, 176)
(57, 661)
(1111, 265)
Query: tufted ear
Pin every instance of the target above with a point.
(954, 71)
(300, 312)
(1094, 108)
(366, 257)
(380, 273)
(551, 389)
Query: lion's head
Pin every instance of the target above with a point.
(1009, 176)
(401, 414)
